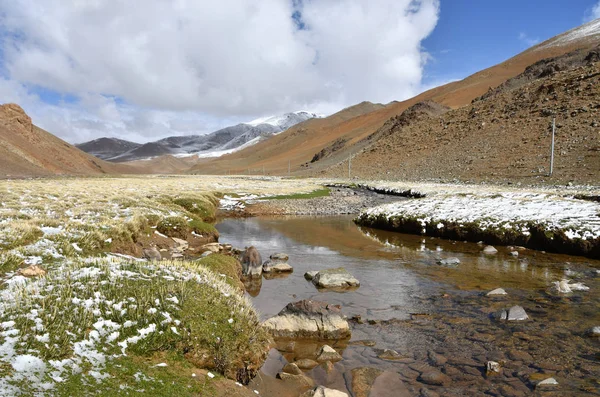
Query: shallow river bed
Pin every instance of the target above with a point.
(437, 318)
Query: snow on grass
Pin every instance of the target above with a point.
(87, 313)
(576, 218)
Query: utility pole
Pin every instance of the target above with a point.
(552, 147)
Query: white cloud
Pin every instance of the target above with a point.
(528, 41)
(186, 66)
(592, 13)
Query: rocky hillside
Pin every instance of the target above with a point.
(503, 136)
(27, 150)
(106, 148)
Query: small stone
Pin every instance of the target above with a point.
(496, 292)
(448, 261)
(594, 332)
(492, 368)
(32, 271)
(273, 267)
(389, 354)
(515, 313)
(292, 368)
(546, 384)
(322, 391)
(310, 275)
(489, 250)
(514, 253)
(328, 353)
(279, 257)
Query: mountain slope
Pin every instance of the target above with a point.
(106, 148)
(27, 150)
(299, 146)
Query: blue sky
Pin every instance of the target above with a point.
(476, 34)
(194, 66)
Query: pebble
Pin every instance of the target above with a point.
(489, 250)
(549, 383)
(496, 292)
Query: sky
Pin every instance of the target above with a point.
(144, 70)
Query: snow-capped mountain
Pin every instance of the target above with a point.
(223, 141)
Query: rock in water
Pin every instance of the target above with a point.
(515, 313)
(335, 278)
(564, 287)
(328, 353)
(279, 257)
(489, 250)
(448, 262)
(292, 368)
(547, 384)
(594, 332)
(152, 254)
(322, 391)
(309, 319)
(492, 368)
(276, 267)
(311, 274)
(251, 263)
(496, 292)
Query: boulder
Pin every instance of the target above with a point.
(450, 262)
(251, 261)
(328, 353)
(300, 381)
(292, 368)
(489, 250)
(277, 267)
(311, 274)
(152, 254)
(306, 363)
(279, 257)
(309, 319)
(32, 271)
(322, 391)
(496, 292)
(212, 247)
(335, 278)
(515, 313)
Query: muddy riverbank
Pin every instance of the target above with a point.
(438, 319)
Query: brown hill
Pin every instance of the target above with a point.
(503, 136)
(27, 150)
(166, 164)
(347, 134)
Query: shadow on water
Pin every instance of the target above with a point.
(400, 276)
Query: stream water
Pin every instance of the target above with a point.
(438, 318)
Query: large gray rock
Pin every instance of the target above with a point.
(335, 278)
(152, 254)
(310, 274)
(309, 319)
(280, 257)
(515, 313)
(328, 353)
(449, 262)
(252, 265)
(277, 267)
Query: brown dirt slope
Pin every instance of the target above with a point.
(166, 164)
(504, 135)
(300, 144)
(27, 150)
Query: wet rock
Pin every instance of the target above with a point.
(450, 262)
(306, 363)
(335, 278)
(328, 367)
(300, 381)
(436, 359)
(493, 368)
(292, 368)
(389, 384)
(311, 274)
(276, 267)
(496, 292)
(251, 263)
(309, 319)
(281, 257)
(322, 391)
(490, 250)
(514, 253)
(32, 271)
(515, 313)
(434, 377)
(364, 342)
(389, 354)
(362, 379)
(152, 254)
(547, 384)
(328, 353)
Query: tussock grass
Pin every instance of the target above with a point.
(324, 192)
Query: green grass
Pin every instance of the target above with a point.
(202, 208)
(174, 226)
(203, 228)
(314, 194)
(223, 264)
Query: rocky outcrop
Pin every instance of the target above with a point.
(277, 263)
(309, 319)
(335, 278)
